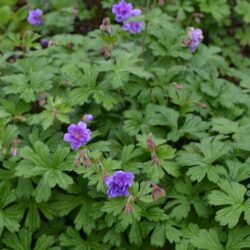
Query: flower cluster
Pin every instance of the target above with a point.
(35, 17)
(123, 12)
(78, 135)
(195, 37)
(119, 183)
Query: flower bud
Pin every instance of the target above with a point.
(161, 2)
(155, 160)
(41, 99)
(157, 192)
(106, 53)
(14, 151)
(150, 144)
(128, 209)
(44, 43)
(105, 177)
(74, 12)
(88, 118)
(77, 162)
(202, 105)
(14, 148)
(178, 86)
(106, 25)
(87, 162)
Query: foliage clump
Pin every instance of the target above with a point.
(124, 125)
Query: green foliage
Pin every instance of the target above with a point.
(180, 121)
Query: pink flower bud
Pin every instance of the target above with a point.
(150, 144)
(106, 25)
(155, 160)
(161, 2)
(128, 209)
(106, 53)
(157, 192)
(87, 162)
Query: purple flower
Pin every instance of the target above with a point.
(78, 135)
(195, 37)
(119, 183)
(35, 17)
(122, 11)
(136, 12)
(88, 118)
(44, 43)
(133, 27)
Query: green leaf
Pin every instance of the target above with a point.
(20, 241)
(135, 234)
(172, 234)
(29, 79)
(224, 126)
(243, 8)
(8, 218)
(114, 206)
(45, 242)
(118, 72)
(155, 214)
(158, 237)
(84, 219)
(207, 239)
(232, 194)
(50, 166)
(238, 238)
(218, 10)
(55, 110)
(202, 156)
(112, 237)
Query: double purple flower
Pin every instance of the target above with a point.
(133, 27)
(78, 135)
(35, 17)
(123, 12)
(195, 37)
(119, 183)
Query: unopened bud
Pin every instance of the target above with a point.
(150, 144)
(70, 45)
(197, 17)
(74, 12)
(202, 105)
(105, 176)
(54, 112)
(87, 162)
(128, 209)
(77, 162)
(157, 192)
(66, 83)
(44, 43)
(155, 160)
(14, 148)
(88, 118)
(41, 99)
(11, 59)
(106, 25)
(197, 20)
(161, 2)
(106, 52)
(187, 42)
(178, 86)
(14, 151)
